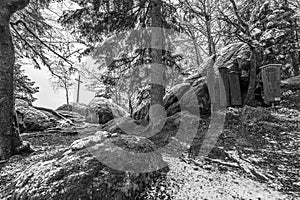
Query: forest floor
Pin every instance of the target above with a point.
(259, 160)
(250, 161)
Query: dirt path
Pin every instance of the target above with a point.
(188, 181)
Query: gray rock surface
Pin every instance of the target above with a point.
(31, 119)
(102, 110)
(192, 96)
(181, 95)
(177, 131)
(79, 174)
(291, 83)
(79, 108)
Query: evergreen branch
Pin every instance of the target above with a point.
(42, 42)
(37, 53)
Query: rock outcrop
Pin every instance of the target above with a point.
(79, 108)
(230, 54)
(179, 97)
(102, 110)
(83, 172)
(31, 119)
(176, 133)
(291, 83)
(192, 96)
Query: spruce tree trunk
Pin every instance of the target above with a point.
(157, 68)
(296, 63)
(9, 138)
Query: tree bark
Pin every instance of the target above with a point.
(9, 138)
(252, 80)
(199, 59)
(157, 112)
(210, 40)
(157, 69)
(296, 63)
(67, 94)
(130, 106)
(157, 75)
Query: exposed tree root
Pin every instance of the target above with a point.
(221, 162)
(3, 161)
(237, 162)
(246, 165)
(54, 113)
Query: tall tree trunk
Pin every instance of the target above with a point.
(157, 68)
(130, 106)
(252, 80)
(9, 138)
(199, 59)
(67, 95)
(210, 40)
(296, 52)
(296, 63)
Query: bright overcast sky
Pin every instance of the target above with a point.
(49, 98)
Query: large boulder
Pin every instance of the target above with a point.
(227, 58)
(102, 110)
(175, 94)
(79, 108)
(177, 133)
(192, 96)
(31, 119)
(199, 93)
(291, 83)
(80, 173)
(181, 96)
(230, 54)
